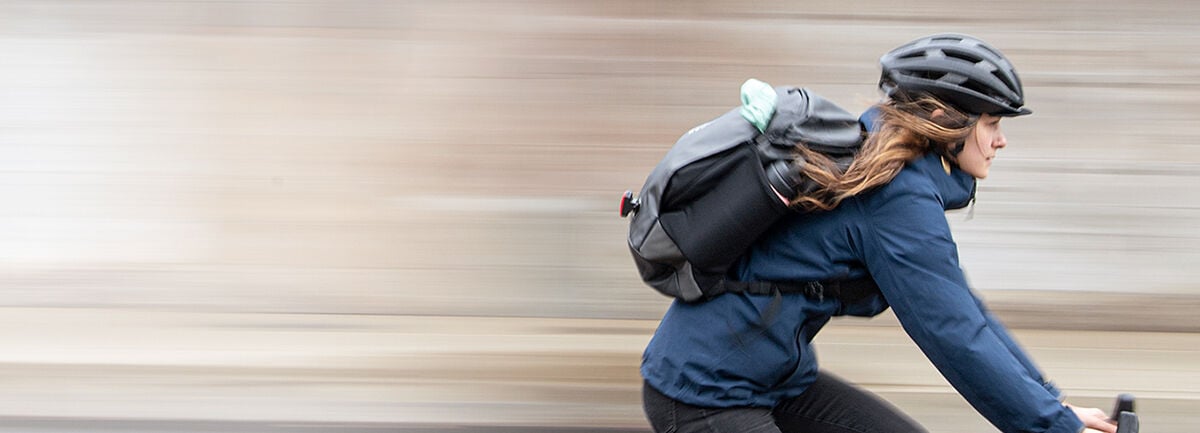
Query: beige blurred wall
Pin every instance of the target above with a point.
(466, 157)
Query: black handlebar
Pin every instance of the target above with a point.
(1123, 414)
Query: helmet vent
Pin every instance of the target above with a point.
(931, 75)
(1003, 78)
(990, 50)
(955, 54)
(988, 92)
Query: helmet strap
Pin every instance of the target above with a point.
(958, 147)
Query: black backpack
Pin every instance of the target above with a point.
(714, 194)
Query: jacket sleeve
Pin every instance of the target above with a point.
(909, 250)
(1017, 351)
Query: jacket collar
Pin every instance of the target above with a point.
(956, 187)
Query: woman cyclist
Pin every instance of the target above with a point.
(743, 363)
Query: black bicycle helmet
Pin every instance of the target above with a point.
(958, 69)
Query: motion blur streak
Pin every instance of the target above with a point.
(314, 215)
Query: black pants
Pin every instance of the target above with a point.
(830, 405)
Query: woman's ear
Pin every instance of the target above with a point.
(937, 114)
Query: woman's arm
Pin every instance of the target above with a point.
(910, 253)
(1017, 351)
(1095, 419)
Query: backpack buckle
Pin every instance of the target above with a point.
(629, 204)
(814, 289)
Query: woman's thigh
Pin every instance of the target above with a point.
(831, 405)
(669, 416)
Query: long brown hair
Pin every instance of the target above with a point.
(907, 129)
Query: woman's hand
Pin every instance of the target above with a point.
(1094, 419)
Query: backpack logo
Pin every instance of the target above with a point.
(698, 128)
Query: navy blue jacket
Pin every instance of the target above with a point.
(726, 352)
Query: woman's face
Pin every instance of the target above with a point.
(981, 147)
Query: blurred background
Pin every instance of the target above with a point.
(314, 215)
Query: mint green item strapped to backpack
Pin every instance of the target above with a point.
(758, 103)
